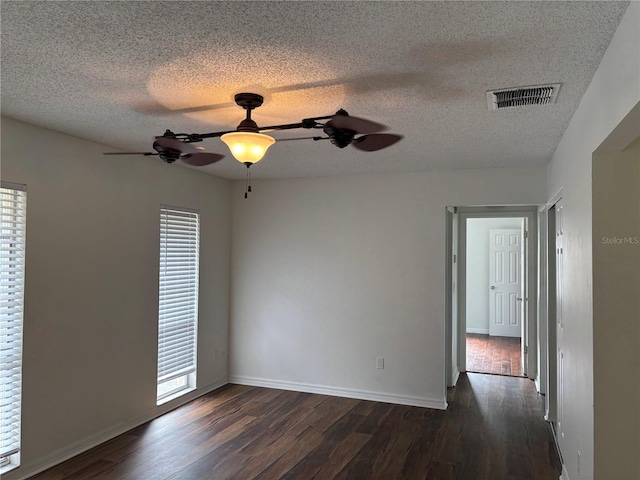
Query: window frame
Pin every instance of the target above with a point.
(12, 290)
(179, 245)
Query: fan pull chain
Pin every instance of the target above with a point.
(247, 188)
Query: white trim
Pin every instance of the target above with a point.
(555, 198)
(480, 331)
(525, 211)
(87, 443)
(565, 474)
(340, 392)
(13, 244)
(448, 295)
(551, 390)
(542, 301)
(178, 391)
(456, 375)
(538, 384)
(178, 287)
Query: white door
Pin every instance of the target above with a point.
(505, 282)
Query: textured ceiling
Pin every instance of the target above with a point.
(121, 72)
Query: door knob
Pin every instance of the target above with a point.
(519, 299)
(493, 287)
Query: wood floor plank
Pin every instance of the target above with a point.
(204, 449)
(342, 454)
(493, 429)
(392, 463)
(497, 355)
(309, 465)
(275, 442)
(305, 444)
(96, 469)
(219, 460)
(441, 471)
(80, 462)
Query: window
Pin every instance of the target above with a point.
(178, 310)
(12, 247)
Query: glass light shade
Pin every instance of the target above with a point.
(247, 147)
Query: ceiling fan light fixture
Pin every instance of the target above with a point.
(247, 147)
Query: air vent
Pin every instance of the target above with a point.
(522, 96)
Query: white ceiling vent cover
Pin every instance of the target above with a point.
(521, 96)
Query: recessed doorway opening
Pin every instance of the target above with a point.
(494, 295)
(492, 330)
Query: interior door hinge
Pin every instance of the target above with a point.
(526, 234)
(526, 349)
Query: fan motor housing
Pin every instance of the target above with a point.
(167, 155)
(248, 101)
(169, 158)
(339, 137)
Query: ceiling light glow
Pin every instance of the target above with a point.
(247, 147)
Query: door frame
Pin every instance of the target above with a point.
(551, 316)
(543, 302)
(452, 369)
(530, 213)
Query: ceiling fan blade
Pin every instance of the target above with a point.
(278, 140)
(169, 143)
(156, 108)
(201, 159)
(129, 153)
(376, 141)
(355, 124)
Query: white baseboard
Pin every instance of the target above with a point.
(481, 331)
(341, 392)
(87, 443)
(565, 474)
(456, 376)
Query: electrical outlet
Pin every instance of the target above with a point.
(380, 363)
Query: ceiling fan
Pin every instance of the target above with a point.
(170, 149)
(248, 145)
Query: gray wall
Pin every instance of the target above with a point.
(91, 300)
(330, 273)
(616, 312)
(613, 92)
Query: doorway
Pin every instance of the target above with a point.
(458, 313)
(495, 287)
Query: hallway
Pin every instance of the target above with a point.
(496, 355)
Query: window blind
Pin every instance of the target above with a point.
(12, 249)
(178, 312)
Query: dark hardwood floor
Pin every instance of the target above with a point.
(497, 355)
(493, 430)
